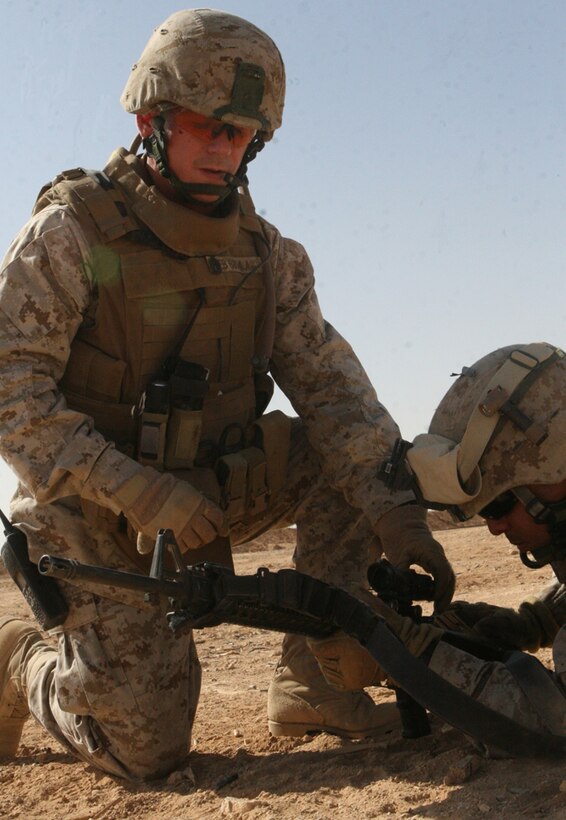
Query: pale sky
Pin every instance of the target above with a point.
(421, 162)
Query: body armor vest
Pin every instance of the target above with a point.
(147, 294)
(168, 279)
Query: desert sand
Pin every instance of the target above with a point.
(236, 769)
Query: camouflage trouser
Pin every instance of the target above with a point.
(492, 684)
(121, 692)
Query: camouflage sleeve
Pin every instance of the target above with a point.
(44, 294)
(326, 384)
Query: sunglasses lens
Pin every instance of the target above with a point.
(206, 129)
(499, 507)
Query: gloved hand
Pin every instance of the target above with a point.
(406, 539)
(529, 628)
(462, 616)
(416, 637)
(152, 501)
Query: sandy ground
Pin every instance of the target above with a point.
(237, 770)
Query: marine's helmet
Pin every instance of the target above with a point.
(215, 64)
(500, 427)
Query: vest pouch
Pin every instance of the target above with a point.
(272, 434)
(256, 479)
(242, 476)
(231, 471)
(183, 435)
(115, 421)
(152, 437)
(93, 384)
(92, 373)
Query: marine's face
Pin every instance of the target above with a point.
(515, 522)
(201, 149)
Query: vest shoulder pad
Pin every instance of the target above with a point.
(100, 207)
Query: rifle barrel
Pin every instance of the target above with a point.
(67, 569)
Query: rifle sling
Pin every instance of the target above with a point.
(535, 682)
(447, 702)
(289, 601)
(290, 590)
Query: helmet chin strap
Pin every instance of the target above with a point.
(533, 563)
(156, 145)
(553, 514)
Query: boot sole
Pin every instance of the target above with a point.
(302, 729)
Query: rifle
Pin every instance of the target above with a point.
(288, 601)
(208, 594)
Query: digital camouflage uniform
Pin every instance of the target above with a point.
(120, 675)
(493, 684)
(96, 294)
(500, 430)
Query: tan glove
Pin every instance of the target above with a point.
(152, 501)
(415, 637)
(406, 539)
(461, 616)
(533, 625)
(529, 628)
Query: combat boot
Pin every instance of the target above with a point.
(22, 652)
(300, 701)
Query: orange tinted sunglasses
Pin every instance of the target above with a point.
(206, 129)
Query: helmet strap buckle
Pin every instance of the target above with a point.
(155, 145)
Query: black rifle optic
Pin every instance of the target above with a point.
(399, 588)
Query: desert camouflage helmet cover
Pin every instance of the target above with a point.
(213, 63)
(501, 425)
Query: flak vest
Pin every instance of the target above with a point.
(169, 279)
